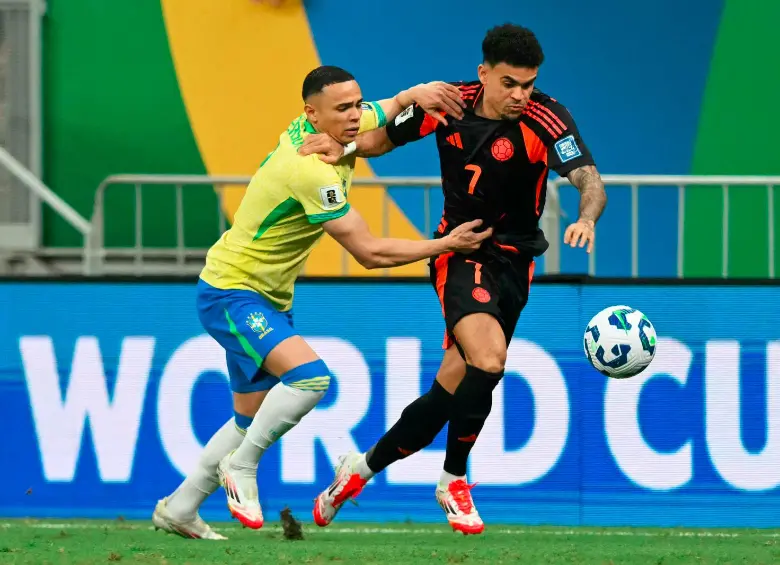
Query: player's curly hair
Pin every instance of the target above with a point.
(323, 76)
(512, 44)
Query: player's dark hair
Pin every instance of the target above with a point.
(324, 76)
(512, 44)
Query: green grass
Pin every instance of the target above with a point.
(89, 542)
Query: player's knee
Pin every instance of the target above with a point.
(482, 342)
(490, 365)
(312, 377)
(247, 404)
(489, 359)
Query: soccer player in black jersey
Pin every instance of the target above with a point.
(495, 160)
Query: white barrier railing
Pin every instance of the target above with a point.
(179, 254)
(633, 182)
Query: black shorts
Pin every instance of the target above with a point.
(481, 283)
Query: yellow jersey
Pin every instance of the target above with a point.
(280, 216)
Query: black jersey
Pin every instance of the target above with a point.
(496, 170)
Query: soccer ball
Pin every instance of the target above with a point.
(620, 342)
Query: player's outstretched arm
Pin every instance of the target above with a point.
(436, 98)
(352, 233)
(593, 199)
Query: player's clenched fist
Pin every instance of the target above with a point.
(580, 232)
(464, 239)
(436, 98)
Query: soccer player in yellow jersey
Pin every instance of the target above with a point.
(245, 291)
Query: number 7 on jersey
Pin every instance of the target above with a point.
(477, 170)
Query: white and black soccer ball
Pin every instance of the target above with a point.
(620, 342)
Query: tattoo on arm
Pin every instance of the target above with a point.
(593, 197)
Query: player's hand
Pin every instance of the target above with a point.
(464, 239)
(330, 151)
(580, 233)
(438, 98)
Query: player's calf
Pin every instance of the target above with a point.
(300, 390)
(484, 345)
(203, 481)
(417, 427)
(419, 424)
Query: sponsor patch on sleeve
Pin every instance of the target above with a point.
(567, 149)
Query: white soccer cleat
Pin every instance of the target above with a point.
(241, 488)
(346, 486)
(191, 529)
(455, 499)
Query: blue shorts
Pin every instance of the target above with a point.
(248, 327)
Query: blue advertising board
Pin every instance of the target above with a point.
(109, 390)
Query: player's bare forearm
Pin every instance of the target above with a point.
(593, 197)
(436, 98)
(373, 143)
(395, 105)
(390, 252)
(352, 233)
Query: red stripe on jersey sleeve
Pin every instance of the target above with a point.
(543, 123)
(549, 112)
(536, 113)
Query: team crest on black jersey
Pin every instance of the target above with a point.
(502, 149)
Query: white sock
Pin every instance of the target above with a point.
(281, 410)
(203, 481)
(447, 478)
(361, 466)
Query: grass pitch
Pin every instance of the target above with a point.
(82, 542)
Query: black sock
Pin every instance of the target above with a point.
(417, 427)
(471, 406)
